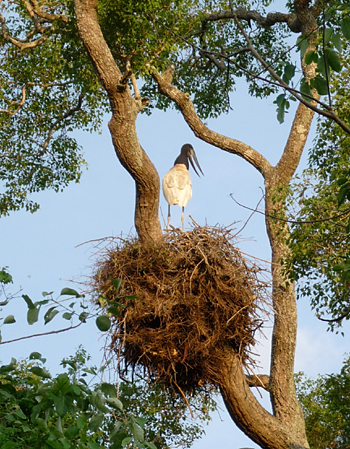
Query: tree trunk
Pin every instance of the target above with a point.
(122, 125)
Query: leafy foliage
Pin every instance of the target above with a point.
(326, 405)
(320, 235)
(38, 410)
(47, 91)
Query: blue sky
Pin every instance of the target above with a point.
(44, 251)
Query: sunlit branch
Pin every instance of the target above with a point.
(45, 15)
(18, 43)
(271, 19)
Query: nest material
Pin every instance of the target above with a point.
(196, 295)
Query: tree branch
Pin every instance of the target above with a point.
(271, 19)
(42, 334)
(203, 132)
(259, 380)
(20, 44)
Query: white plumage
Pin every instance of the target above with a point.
(177, 186)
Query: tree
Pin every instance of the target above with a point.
(325, 402)
(200, 48)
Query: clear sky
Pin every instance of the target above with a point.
(43, 253)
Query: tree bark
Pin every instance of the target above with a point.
(122, 125)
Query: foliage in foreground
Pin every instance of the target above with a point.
(38, 410)
(326, 405)
(66, 411)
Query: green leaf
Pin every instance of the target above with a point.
(115, 402)
(343, 191)
(46, 294)
(70, 292)
(333, 59)
(342, 180)
(35, 356)
(311, 56)
(138, 433)
(321, 85)
(126, 441)
(150, 445)
(59, 425)
(305, 89)
(280, 114)
(10, 319)
(321, 67)
(96, 422)
(114, 311)
(32, 315)
(5, 277)
(28, 301)
(141, 422)
(289, 71)
(116, 283)
(41, 423)
(345, 27)
(302, 44)
(7, 368)
(94, 446)
(41, 372)
(103, 323)
(328, 32)
(108, 389)
(99, 401)
(336, 39)
(68, 315)
(50, 314)
(83, 316)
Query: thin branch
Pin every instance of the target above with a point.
(67, 114)
(286, 220)
(42, 334)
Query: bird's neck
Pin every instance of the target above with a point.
(182, 160)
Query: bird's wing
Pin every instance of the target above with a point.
(177, 187)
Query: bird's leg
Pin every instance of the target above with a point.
(167, 226)
(183, 218)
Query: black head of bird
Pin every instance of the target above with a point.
(177, 186)
(188, 154)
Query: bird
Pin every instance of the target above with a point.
(177, 186)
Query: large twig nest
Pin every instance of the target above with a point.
(196, 294)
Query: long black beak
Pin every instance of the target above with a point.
(191, 155)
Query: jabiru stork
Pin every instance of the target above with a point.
(177, 186)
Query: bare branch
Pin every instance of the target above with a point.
(42, 334)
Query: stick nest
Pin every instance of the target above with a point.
(196, 295)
